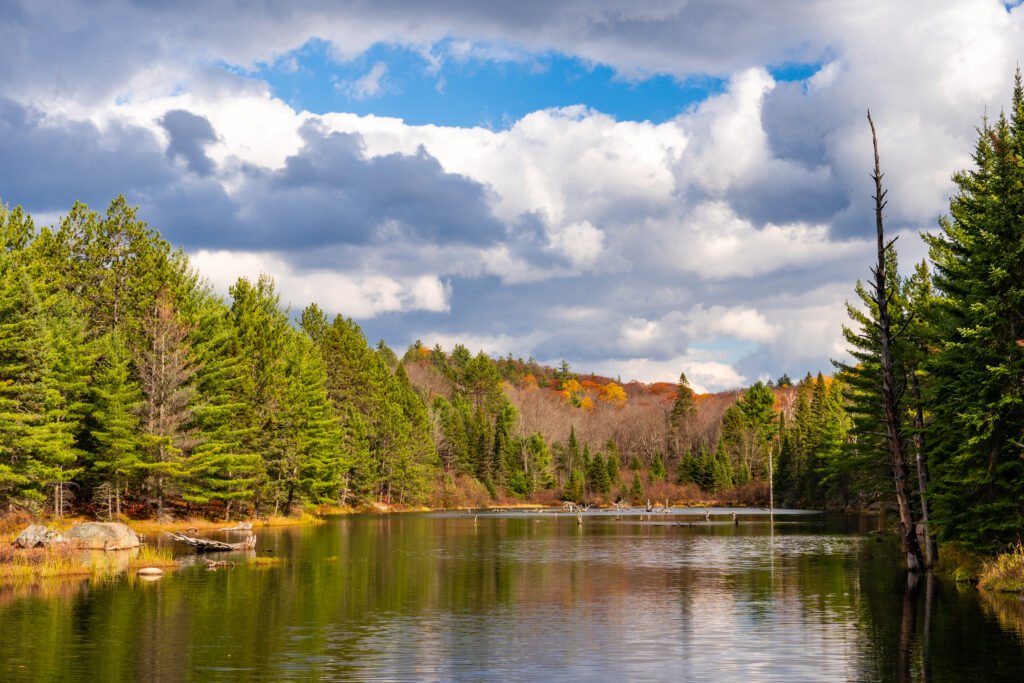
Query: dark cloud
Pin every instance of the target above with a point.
(48, 164)
(189, 134)
(788, 193)
(327, 193)
(92, 52)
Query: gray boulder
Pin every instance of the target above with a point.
(37, 535)
(103, 536)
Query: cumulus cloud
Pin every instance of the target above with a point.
(721, 242)
(360, 296)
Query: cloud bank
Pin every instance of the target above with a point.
(722, 241)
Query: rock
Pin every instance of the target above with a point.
(151, 571)
(36, 535)
(103, 536)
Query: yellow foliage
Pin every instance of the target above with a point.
(613, 393)
(587, 404)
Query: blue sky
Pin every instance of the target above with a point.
(481, 90)
(473, 91)
(706, 210)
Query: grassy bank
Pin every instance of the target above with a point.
(18, 565)
(1002, 573)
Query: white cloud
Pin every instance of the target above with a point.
(355, 295)
(372, 84)
(740, 322)
(704, 375)
(743, 220)
(491, 344)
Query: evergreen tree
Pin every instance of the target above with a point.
(723, 477)
(165, 369)
(220, 468)
(573, 490)
(657, 471)
(683, 410)
(540, 463)
(977, 430)
(613, 462)
(36, 444)
(597, 476)
(636, 490)
(115, 423)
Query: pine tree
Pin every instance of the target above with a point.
(36, 444)
(681, 417)
(165, 368)
(220, 468)
(977, 399)
(115, 423)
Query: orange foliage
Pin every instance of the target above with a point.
(591, 385)
(663, 390)
(570, 388)
(587, 404)
(529, 381)
(423, 351)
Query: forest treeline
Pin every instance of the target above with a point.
(128, 386)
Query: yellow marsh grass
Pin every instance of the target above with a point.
(1004, 573)
(18, 565)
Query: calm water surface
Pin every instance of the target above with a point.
(530, 597)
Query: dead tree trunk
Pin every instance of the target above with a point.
(890, 402)
(931, 551)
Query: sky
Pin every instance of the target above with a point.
(637, 188)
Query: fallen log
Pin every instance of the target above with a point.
(241, 526)
(208, 545)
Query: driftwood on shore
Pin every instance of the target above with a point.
(207, 545)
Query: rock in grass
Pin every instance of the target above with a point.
(36, 535)
(103, 536)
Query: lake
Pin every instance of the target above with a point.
(527, 596)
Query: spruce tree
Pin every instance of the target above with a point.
(636, 490)
(977, 399)
(657, 471)
(613, 462)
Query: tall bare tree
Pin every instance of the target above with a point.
(881, 296)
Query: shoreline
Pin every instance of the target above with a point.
(996, 573)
